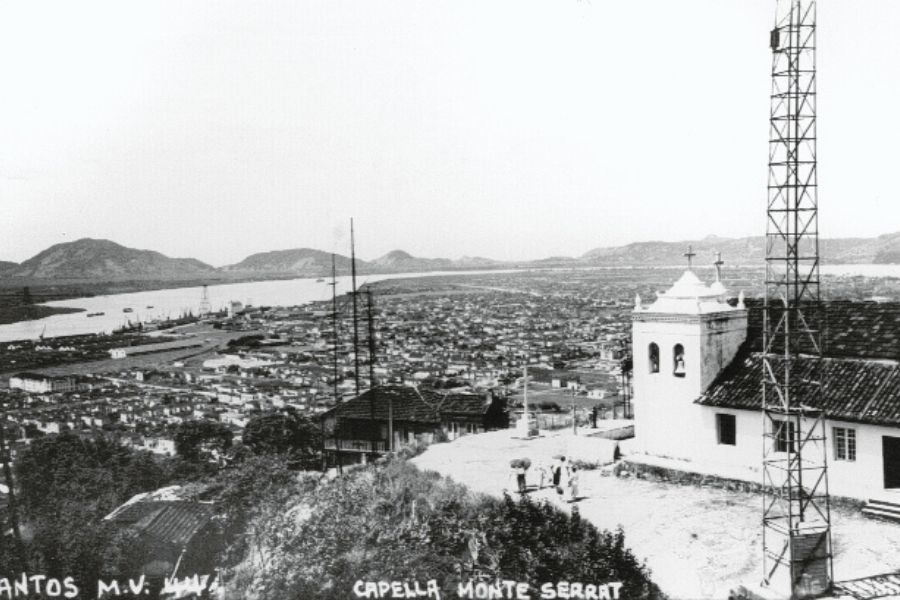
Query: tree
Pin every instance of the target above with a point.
(67, 485)
(280, 433)
(497, 414)
(201, 440)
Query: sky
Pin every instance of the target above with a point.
(511, 129)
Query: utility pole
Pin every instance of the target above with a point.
(334, 334)
(797, 550)
(372, 386)
(525, 396)
(355, 313)
(574, 415)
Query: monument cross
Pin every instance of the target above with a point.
(690, 254)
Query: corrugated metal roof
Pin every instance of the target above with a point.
(160, 347)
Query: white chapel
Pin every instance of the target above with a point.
(680, 343)
(697, 379)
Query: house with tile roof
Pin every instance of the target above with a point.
(698, 387)
(174, 536)
(360, 428)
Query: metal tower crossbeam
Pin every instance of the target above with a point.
(796, 507)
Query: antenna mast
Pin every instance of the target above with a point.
(797, 553)
(334, 327)
(372, 386)
(372, 356)
(355, 313)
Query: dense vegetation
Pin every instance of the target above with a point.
(66, 486)
(314, 540)
(297, 534)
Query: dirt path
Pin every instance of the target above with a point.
(698, 542)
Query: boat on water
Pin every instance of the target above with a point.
(96, 314)
(149, 306)
(127, 309)
(319, 280)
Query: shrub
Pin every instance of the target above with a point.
(394, 522)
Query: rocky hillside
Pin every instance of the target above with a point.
(102, 259)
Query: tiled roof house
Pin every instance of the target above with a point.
(361, 425)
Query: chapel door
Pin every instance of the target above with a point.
(890, 450)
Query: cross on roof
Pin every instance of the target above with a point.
(690, 254)
(718, 264)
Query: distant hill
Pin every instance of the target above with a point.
(6, 267)
(471, 262)
(102, 259)
(398, 260)
(299, 261)
(888, 249)
(884, 249)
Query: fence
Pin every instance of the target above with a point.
(561, 420)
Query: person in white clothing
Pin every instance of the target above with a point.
(573, 484)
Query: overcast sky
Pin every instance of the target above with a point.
(508, 129)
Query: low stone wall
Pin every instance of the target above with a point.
(619, 433)
(625, 468)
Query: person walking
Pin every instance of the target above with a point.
(543, 471)
(573, 484)
(520, 478)
(558, 472)
(513, 475)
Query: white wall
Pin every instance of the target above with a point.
(664, 409)
(862, 479)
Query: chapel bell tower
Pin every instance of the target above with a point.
(680, 343)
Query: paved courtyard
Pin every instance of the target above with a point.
(698, 542)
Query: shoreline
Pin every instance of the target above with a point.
(24, 299)
(10, 314)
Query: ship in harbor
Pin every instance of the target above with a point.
(96, 314)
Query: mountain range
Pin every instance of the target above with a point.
(104, 260)
(884, 249)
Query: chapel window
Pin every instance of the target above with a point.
(654, 358)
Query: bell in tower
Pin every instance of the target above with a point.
(678, 355)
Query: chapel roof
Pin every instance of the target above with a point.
(689, 296)
(860, 371)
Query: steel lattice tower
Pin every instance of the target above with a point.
(796, 515)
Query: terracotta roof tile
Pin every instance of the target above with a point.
(860, 373)
(409, 404)
(852, 329)
(168, 522)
